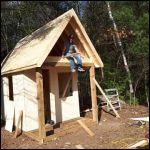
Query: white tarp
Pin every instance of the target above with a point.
(9, 116)
(141, 119)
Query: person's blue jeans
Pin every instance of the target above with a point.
(75, 61)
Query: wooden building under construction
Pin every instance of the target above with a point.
(39, 82)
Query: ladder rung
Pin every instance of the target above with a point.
(115, 102)
(114, 107)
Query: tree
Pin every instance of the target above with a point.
(132, 20)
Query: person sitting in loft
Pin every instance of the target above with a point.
(72, 53)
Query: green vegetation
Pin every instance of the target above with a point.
(20, 18)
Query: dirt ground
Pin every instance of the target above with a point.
(110, 133)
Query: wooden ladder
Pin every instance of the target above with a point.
(106, 98)
(113, 96)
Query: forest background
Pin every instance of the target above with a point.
(20, 18)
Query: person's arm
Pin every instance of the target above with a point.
(77, 51)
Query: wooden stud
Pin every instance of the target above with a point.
(93, 95)
(65, 90)
(40, 98)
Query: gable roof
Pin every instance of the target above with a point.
(32, 50)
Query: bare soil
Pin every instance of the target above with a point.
(110, 133)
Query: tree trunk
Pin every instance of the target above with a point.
(122, 51)
(146, 90)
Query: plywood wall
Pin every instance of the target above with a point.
(25, 94)
(30, 105)
(54, 96)
(25, 98)
(67, 108)
(18, 96)
(18, 92)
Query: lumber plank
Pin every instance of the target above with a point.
(18, 123)
(65, 90)
(64, 61)
(140, 143)
(85, 128)
(40, 98)
(64, 58)
(79, 146)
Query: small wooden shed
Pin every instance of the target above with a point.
(39, 81)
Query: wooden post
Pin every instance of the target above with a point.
(46, 89)
(93, 95)
(40, 98)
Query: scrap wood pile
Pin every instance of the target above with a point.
(141, 122)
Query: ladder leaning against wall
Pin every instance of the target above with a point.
(113, 96)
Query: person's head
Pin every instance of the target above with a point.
(71, 38)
